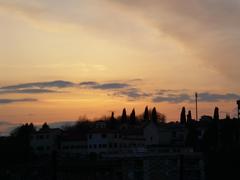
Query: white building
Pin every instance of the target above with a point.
(167, 134)
(73, 145)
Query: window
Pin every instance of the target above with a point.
(40, 148)
(104, 135)
(174, 134)
(90, 136)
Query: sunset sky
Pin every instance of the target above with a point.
(63, 59)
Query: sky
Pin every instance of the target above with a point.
(63, 59)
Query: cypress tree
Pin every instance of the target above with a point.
(154, 115)
(183, 116)
(216, 113)
(189, 117)
(112, 117)
(124, 115)
(146, 114)
(133, 117)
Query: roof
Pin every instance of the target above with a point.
(103, 130)
(73, 137)
(49, 130)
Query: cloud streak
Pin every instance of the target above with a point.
(10, 101)
(50, 84)
(104, 86)
(28, 91)
(203, 97)
(209, 29)
(55, 86)
(132, 94)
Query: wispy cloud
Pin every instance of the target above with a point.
(172, 98)
(208, 29)
(104, 86)
(37, 87)
(50, 84)
(57, 86)
(213, 97)
(10, 101)
(28, 91)
(132, 94)
(88, 83)
(203, 97)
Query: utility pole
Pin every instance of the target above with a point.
(196, 99)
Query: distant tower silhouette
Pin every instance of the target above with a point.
(196, 99)
(238, 103)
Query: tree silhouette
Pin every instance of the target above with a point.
(216, 113)
(133, 117)
(45, 126)
(154, 115)
(23, 131)
(21, 137)
(146, 114)
(189, 117)
(183, 116)
(124, 116)
(112, 117)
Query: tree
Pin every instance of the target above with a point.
(183, 116)
(216, 113)
(45, 126)
(146, 114)
(124, 116)
(112, 117)
(161, 117)
(23, 131)
(154, 115)
(133, 117)
(189, 117)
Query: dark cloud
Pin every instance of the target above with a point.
(172, 98)
(203, 97)
(106, 86)
(50, 87)
(212, 97)
(103, 86)
(88, 83)
(164, 91)
(50, 84)
(36, 87)
(9, 101)
(28, 91)
(132, 94)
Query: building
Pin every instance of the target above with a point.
(46, 140)
(73, 145)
